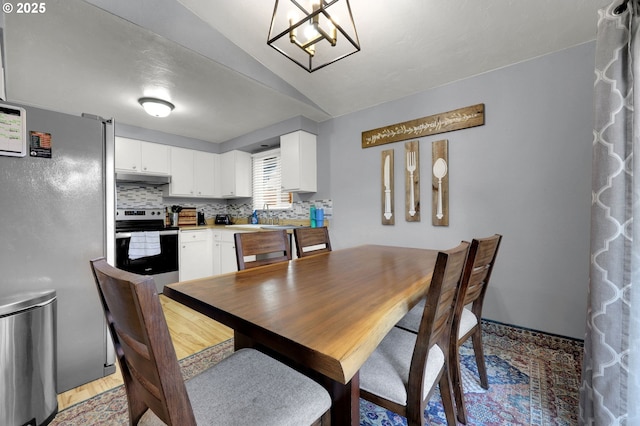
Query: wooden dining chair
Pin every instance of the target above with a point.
(310, 241)
(405, 368)
(467, 322)
(247, 387)
(262, 248)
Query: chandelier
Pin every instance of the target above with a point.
(315, 33)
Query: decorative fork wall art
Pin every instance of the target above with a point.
(412, 181)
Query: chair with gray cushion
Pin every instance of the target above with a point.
(310, 241)
(466, 321)
(405, 368)
(245, 388)
(255, 249)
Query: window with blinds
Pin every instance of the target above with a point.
(267, 182)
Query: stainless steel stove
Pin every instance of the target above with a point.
(164, 266)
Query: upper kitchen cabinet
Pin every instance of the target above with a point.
(236, 174)
(207, 174)
(137, 156)
(298, 156)
(193, 174)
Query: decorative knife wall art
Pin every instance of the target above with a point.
(388, 218)
(412, 181)
(440, 183)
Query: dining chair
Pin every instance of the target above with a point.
(247, 387)
(405, 368)
(467, 321)
(310, 241)
(262, 248)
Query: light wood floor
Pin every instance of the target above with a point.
(190, 331)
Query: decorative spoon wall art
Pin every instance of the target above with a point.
(412, 181)
(440, 183)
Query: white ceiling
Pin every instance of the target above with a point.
(210, 57)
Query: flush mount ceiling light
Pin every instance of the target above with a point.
(156, 107)
(315, 33)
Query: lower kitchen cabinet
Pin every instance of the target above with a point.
(224, 252)
(206, 252)
(228, 261)
(196, 254)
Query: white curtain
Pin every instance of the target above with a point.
(610, 390)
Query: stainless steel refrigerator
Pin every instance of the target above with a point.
(56, 215)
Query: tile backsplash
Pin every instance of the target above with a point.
(148, 196)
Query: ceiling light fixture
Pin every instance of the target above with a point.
(318, 34)
(156, 107)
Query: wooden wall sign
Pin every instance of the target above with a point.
(388, 218)
(440, 183)
(412, 181)
(462, 118)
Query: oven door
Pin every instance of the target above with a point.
(166, 261)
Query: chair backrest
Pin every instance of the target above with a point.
(264, 248)
(143, 345)
(310, 241)
(477, 272)
(435, 326)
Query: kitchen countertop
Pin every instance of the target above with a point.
(286, 224)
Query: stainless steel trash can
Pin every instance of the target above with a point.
(28, 359)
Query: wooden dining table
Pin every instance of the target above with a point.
(324, 314)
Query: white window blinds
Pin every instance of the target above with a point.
(267, 182)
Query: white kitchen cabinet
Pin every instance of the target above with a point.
(299, 162)
(206, 170)
(235, 173)
(194, 174)
(182, 176)
(224, 252)
(137, 156)
(195, 254)
(228, 261)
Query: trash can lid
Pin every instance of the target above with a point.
(15, 303)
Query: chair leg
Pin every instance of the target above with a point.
(477, 349)
(137, 408)
(456, 383)
(447, 398)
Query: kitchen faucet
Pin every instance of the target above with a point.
(268, 218)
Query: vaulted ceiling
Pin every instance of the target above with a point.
(210, 58)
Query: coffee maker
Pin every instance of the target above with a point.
(201, 218)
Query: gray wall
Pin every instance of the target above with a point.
(525, 174)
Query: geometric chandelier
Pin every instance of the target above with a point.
(313, 33)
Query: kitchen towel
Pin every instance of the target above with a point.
(143, 244)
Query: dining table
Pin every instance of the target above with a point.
(323, 314)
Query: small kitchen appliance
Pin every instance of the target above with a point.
(201, 220)
(223, 219)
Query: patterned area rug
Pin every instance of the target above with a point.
(110, 407)
(533, 380)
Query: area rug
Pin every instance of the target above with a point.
(110, 407)
(533, 380)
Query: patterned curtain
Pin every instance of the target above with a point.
(610, 391)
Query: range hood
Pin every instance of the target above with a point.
(142, 178)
